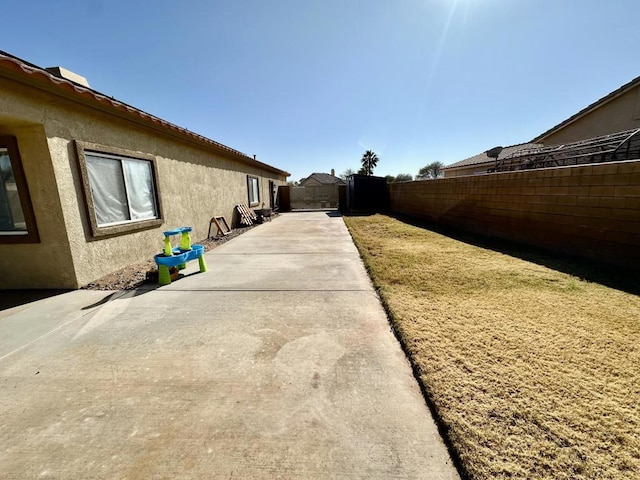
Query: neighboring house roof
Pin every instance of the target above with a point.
(323, 178)
(585, 111)
(38, 77)
(512, 151)
(483, 158)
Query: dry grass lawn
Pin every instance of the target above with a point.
(534, 373)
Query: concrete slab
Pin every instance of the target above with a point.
(246, 371)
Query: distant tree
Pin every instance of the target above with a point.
(369, 161)
(292, 183)
(346, 173)
(401, 177)
(431, 171)
(404, 177)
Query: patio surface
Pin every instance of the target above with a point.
(277, 363)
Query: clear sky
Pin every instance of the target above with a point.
(309, 85)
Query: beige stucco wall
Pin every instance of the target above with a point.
(195, 183)
(47, 264)
(310, 182)
(464, 171)
(622, 113)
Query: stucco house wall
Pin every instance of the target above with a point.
(310, 182)
(479, 169)
(618, 111)
(33, 265)
(195, 182)
(480, 164)
(318, 179)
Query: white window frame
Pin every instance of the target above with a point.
(84, 150)
(253, 190)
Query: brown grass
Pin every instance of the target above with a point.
(534, 373)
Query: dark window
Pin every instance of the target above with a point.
(17, 221)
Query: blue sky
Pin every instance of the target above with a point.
(309, 85)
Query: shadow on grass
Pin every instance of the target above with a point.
(589, 270)
(364, 214)
(585, 269)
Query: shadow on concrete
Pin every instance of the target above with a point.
(590, 270)
(15, 298)
(101, 302)
(141, 290)
(300, 210)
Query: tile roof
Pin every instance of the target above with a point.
(16, 68)
(324, 178)
(482, 158)
(597, 104)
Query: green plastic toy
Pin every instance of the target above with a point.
(178, 256)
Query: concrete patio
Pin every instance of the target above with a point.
(277, 363)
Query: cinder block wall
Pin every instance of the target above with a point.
(591, 211)
(314, 196)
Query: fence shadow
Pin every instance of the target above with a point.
(619, 278)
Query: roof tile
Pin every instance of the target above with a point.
(9, 62)
(484, 158)
(324, 178)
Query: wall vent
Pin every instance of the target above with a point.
(68, 75)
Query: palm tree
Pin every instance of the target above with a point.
(369, 161)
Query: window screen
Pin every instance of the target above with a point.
(122, 189)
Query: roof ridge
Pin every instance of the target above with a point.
(483, 158)
(601, 101)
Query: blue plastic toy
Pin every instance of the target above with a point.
(178, 256)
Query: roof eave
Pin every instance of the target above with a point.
(588, 109)
(469, 165)
(22, 72)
